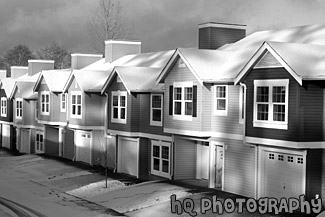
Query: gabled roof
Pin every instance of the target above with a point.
(90, 80)
(302, 61)
(25, 86)
(55, 79)
(136, 79)
(202, 63)
(8, 84)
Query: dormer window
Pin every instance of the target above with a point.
(181, 63)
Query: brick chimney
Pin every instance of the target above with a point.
(79, 61)
(214, 35)
(3, 73)
(35, 66)
(117, 49)
(17, 71)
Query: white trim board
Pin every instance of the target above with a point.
(204, 134)
(139, 134)
(52, 123)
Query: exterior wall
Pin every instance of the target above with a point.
(181, 75)
(98, 147)
(184, 159)
(51, 140)
(94, 109)
(314, 173)
(111, 152)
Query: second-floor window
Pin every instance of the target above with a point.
(45, 102)
(3, 107)
(183, 100)
(63, 103)
(76, 104)
(221, 100)
(19, 108)
(156, 109)
(119, 109)
(271, 103)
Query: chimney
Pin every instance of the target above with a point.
(214, 35)
(3, 74)
(35, 66)
(79, 61)
(117, 49)
(18, 71)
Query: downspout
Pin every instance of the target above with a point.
(244, 110)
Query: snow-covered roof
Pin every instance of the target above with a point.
(137, 79)
(8, 85)
(55, 79)
(25, 90)
(91, 80)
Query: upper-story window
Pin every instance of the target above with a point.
(183, 100)
(119, 109)
(271, 103)
(45, 102)
(63, 102)
(221, 100)
(3, 107)
(156, 109)
(19, 108)
(76, 104)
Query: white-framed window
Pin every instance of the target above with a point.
(76, 104)
(271, 103)
(39, 142)
(242, 96)
(19, 108)
(156, 109)
(221, 100)
(45, 102)
(183, 100)
(3, 107)
(63, 102)
(160, 158)
(119, 109)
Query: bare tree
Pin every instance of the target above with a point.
(108, 22)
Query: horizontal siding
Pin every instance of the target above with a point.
(94, 109)
(185, 159)
(230, 123)
(181, 75)
(267, 60)
(98, 147)
(239, 168)
(272, 73)
(134, 111)
(111, 152)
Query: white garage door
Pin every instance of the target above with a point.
(6, 136)
(83, 149)
(284, 174)
(128, 156)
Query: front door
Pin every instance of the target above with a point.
(219, 152)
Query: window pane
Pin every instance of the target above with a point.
(79, 99)
(115, 113)
(221, 104)
(115, 100)
(156, 101)
(155, 151)
(165, 166)
(165, 152)
(188, 93)
(262, 112)
(122, 113)
(43, 98)
(178, 109)
(262, 94)
(156, 115)
(47, 107)
(41, 138)
(156, 163)
(122, 103)
(279, 94)
(279, 113)
(79, 110)
(63, 97)
(73, 99)
(178, 93)
(47, 98)
(221, 92)
(188, 108)
(73, 109)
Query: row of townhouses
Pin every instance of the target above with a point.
(245, 114)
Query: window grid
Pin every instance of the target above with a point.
(39, 142)
(19, 108)
(119, 107)
(300, 160)
(280, 157)
(290, 159)
(271, 156)
(76, 105)
(45, 103)
(156, 109)
(3, 107)
(160, 158)
(63, 102)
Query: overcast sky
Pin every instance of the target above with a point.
(159, 24)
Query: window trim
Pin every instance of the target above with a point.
(63, 102)
(76, 93)
(160, 172)
(220, 112)
(45, 112)
(182, 85)
(152, 122)
(270, 123)
(119, 94)
(4, 106)
(21, 109)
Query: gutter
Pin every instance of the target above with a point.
(244, 108)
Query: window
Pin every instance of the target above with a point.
(156, 109)
(3, 107)
(76, 104)
(300, 160)
(63, 103)
(45, 103)
(181, 63)
(271, 103)
(290, 159)
(221, 101)
(271, 156)
(119, 107)
(160, 158)
(19, 108)
(183, 100)
(39, 142)
(280, 157)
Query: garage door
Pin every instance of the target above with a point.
(83, 150)
(128, 156)
(6, 136)
(25, 141)
(284, 174)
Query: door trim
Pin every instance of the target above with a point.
(212, 175)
